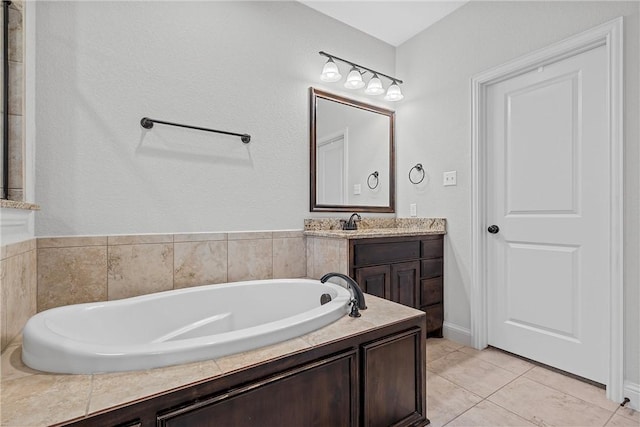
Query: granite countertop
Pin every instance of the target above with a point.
(34, 398)
(17, 204)
(376, 227)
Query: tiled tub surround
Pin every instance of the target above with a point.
(328, 244)
(17, 287)
(74, 270)
(35, 398)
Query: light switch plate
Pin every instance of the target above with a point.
(449, 178)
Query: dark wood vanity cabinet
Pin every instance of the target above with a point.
(406, 270)
(321, 393)
(373, 379)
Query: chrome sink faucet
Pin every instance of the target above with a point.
(351, 224)
(357, 302)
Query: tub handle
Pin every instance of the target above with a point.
(355, 312)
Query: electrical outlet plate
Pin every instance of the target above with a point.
(449, 178)
(413, 210)
(357, 189)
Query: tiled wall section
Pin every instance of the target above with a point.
(17, 288)
(74, 270)
(325, 254)
(16, 92)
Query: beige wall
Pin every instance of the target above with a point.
(241, 66)
(434, 125)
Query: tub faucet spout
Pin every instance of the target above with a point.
(358, 296)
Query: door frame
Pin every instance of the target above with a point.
(344, 134)
(609, 35)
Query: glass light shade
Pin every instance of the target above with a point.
(354, 79)
(330, 72)
(375, 86)
(394, 93)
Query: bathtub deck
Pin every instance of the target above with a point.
(40, 399)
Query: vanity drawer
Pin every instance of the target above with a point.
(385, 253)
(435, 317)
(432, 248)
(431, 291)
(431, 268)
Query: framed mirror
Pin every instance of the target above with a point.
(352, 155)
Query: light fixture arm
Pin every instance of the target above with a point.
(353, 64)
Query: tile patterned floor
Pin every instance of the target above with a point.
(467, 387)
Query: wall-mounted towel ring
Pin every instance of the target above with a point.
(419, 168)
(375, 180)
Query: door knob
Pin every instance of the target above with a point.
(493, 229)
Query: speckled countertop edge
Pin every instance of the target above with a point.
(37, 398)
(376, 227)
(17, 204)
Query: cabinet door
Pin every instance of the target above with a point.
(405, 283)
(431, 291)
(393, 388)
(324, 393)
(374, 280)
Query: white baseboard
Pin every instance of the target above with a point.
(456, 333)
(632, 391)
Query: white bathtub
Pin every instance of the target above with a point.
(179, 326)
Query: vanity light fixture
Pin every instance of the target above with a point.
(331, 73)
(354, 79)
(394, 93)
(374, 87)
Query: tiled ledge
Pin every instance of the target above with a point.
(16, 204)
(13, 249)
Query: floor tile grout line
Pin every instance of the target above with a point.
(508, 355)
(487, 397)
(610, 418)
(463, 412)
(569, 393)
(507, 409)
(510, 372)
(532, 379)
(621, 409)
(520, 375)
(86, 411)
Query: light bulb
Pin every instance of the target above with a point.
(354, 79)
(394, 93)
(330, 72)
(375, 86)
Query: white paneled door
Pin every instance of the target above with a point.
(332, 169)
(548, 195)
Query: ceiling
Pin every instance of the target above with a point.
(393, 22)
